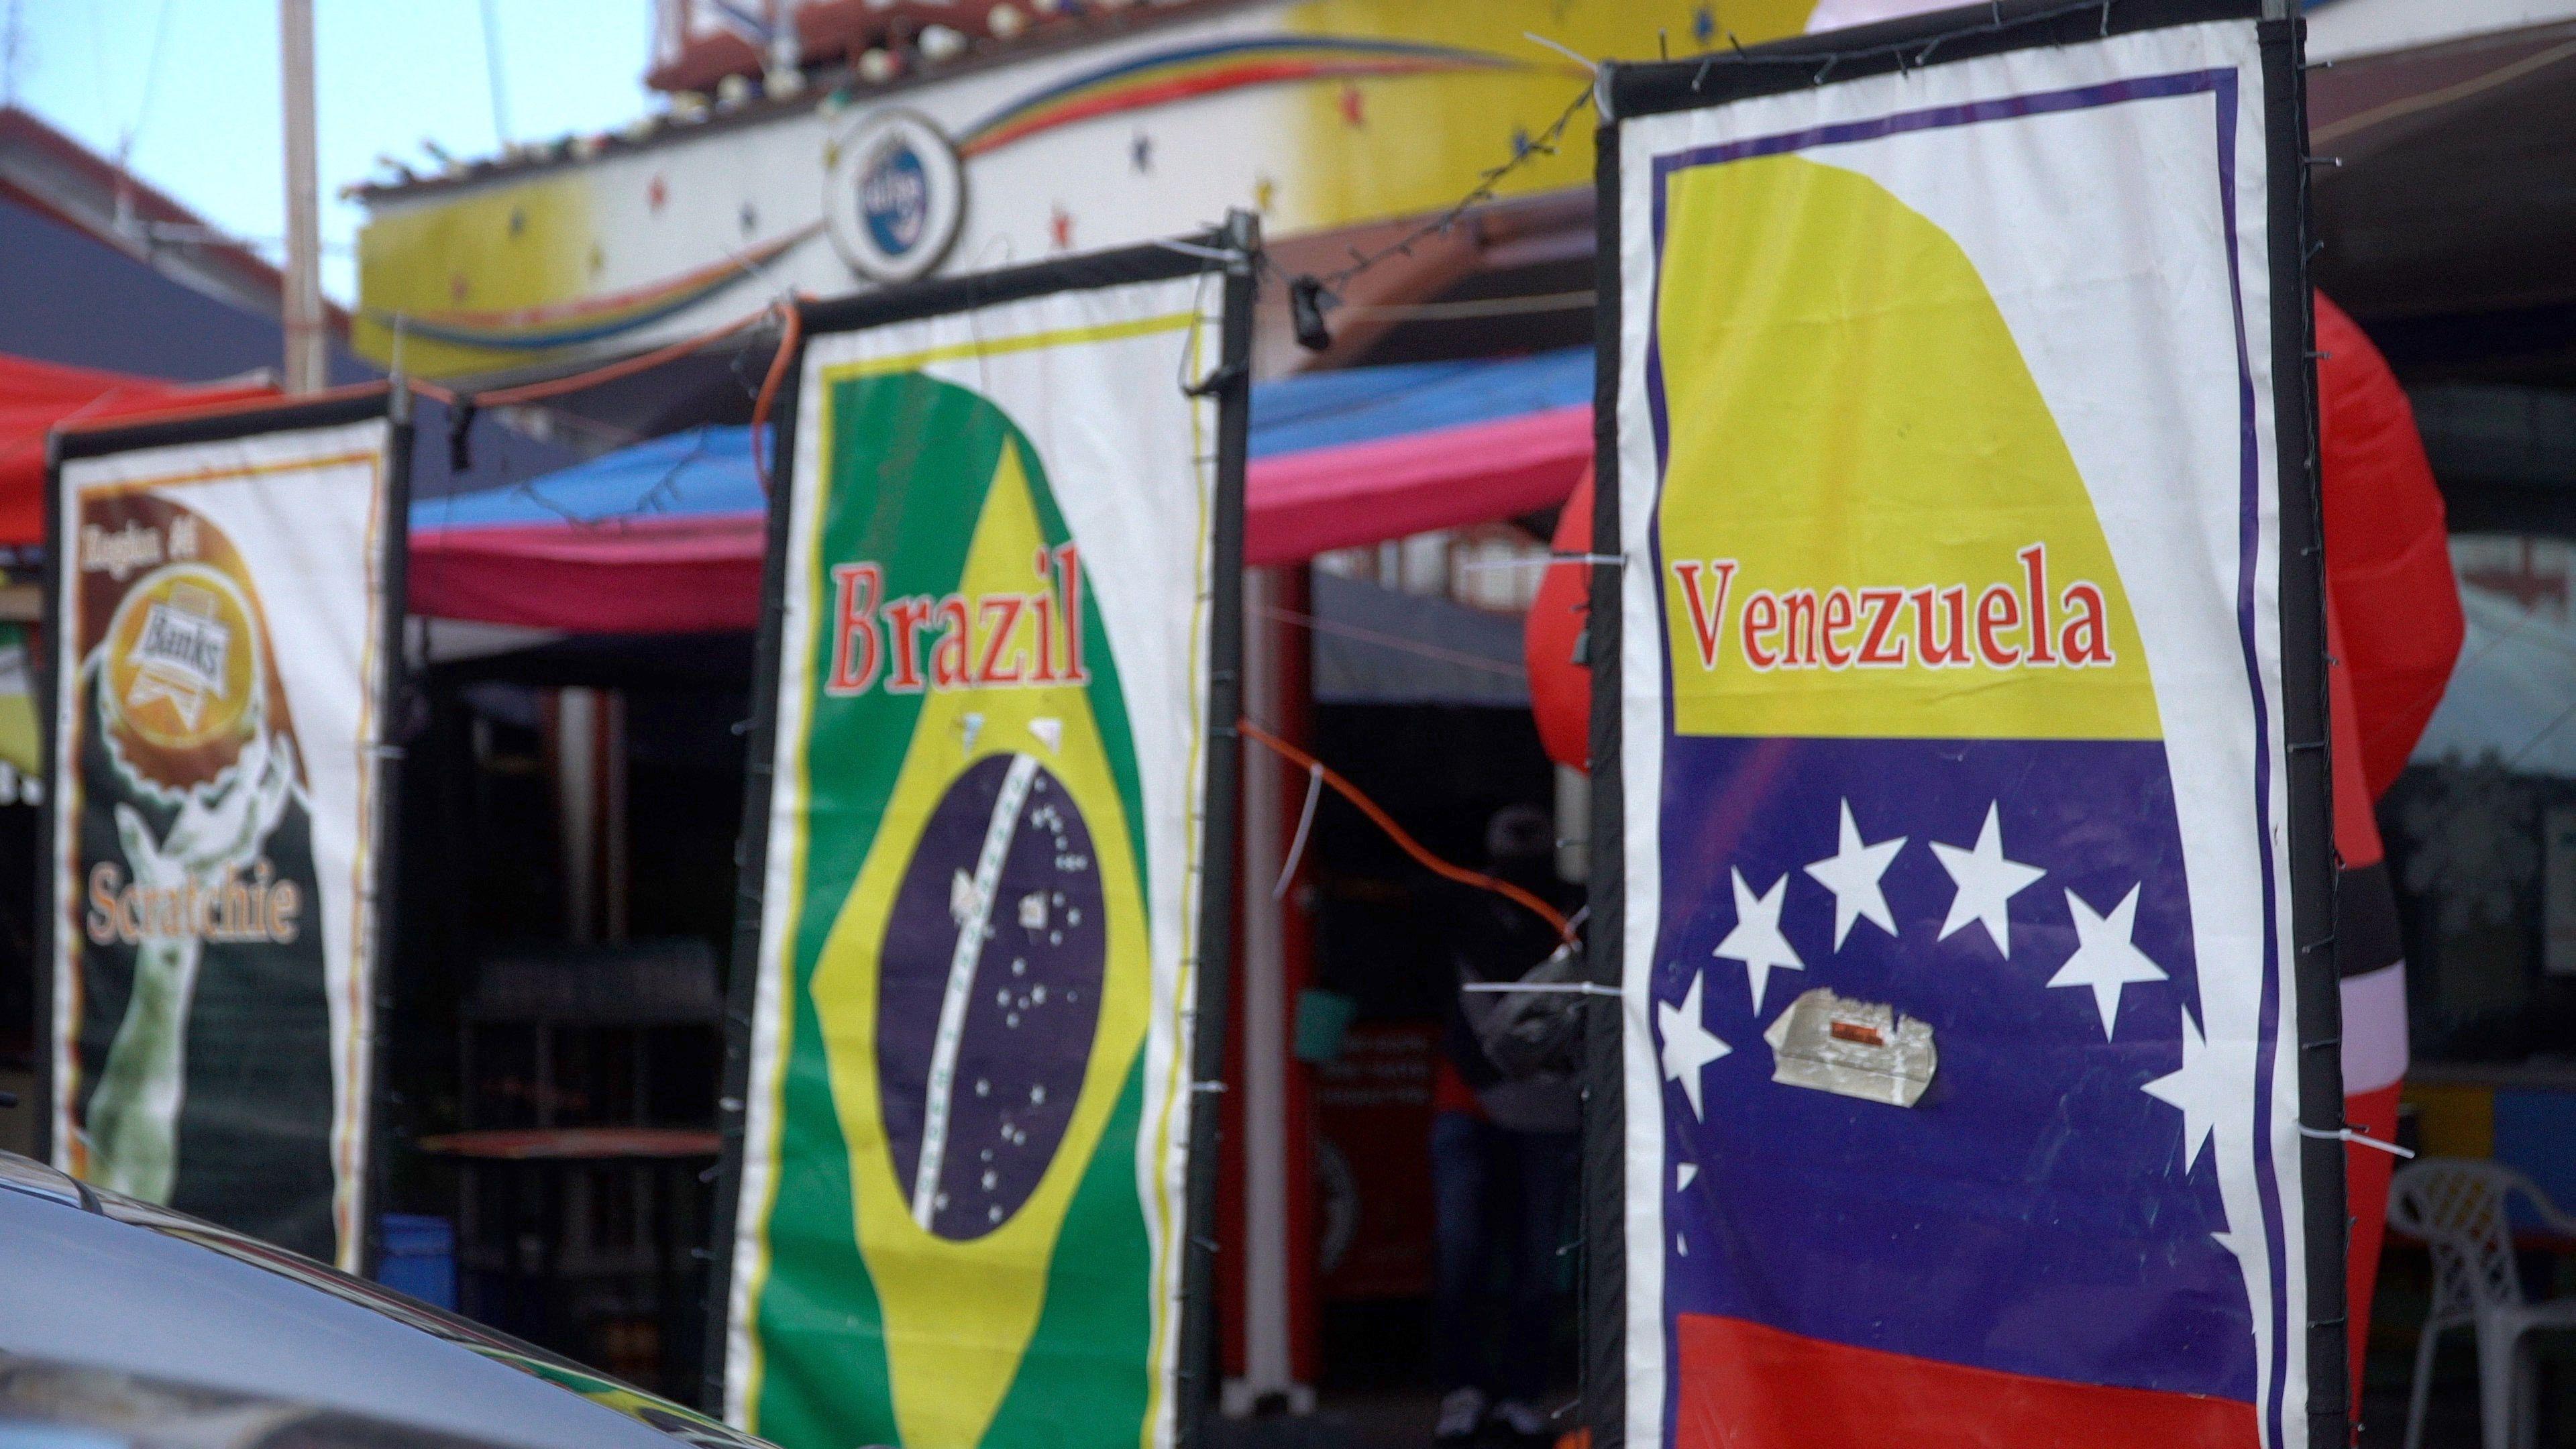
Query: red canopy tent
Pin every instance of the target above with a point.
(35, 397)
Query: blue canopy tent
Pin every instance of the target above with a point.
(667, 536)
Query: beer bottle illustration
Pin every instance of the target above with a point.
(204, 1025)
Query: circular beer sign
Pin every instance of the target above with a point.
(894, 195)
(179, 676)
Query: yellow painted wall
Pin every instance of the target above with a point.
(1425, 139)
(1416, 145)
(488, 251)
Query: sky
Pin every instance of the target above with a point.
(205, 116)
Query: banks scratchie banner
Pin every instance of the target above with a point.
(219, 668)
(1968, 642)
(961, 1196)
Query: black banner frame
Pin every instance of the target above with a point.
(1625, 91)
(336, 408)
(1233, 250)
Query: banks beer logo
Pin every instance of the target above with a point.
(1930, 626)
(181, 668)
(894, 195)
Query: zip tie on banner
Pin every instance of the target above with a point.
(1569, 52)
(1305, 822)
(2348, 1134)
(1486, 565)
(1193, 249)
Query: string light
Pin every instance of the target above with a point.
(1310, 295)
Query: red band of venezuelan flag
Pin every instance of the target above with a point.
(1748, 1386)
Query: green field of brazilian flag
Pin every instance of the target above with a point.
(958, 1206)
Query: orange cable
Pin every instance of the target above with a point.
(1383, 821)
(790, 332)
(628, 367)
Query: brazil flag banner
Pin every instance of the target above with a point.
(1977, 1079)
(1004, 583)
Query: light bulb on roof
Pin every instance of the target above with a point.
(878, 65)
(733, 90)
(940, 42)
(1005, 21)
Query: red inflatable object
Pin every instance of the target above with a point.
(2388, 558)
(1561, 687)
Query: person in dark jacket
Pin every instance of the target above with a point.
(1503, 1162)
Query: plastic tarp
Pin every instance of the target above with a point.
(2507, 705)
(667, 536)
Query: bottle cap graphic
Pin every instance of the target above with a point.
(180, 674)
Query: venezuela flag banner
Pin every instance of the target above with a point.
(961, 1200)
(1969, 804)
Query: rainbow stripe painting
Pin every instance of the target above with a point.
(1205, 70)
(592, 319)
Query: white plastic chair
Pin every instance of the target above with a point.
(2458, 1207)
